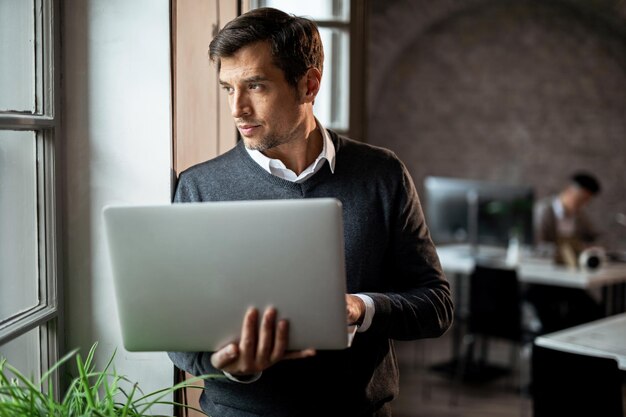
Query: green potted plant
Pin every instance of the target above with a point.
(91, 393)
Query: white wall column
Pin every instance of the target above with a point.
(117, 143)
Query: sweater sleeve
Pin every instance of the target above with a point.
(419, 303)
(195, 363)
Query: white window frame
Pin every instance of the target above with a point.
(45, 123)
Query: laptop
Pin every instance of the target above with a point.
(185, 274)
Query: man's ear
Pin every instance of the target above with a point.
(310, 85)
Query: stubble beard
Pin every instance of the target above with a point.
(268, 142)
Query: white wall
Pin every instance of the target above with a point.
(117, 134)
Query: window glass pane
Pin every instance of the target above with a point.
(17, 55)
(336, 10)
(18, 223)
(331, 104)
(23, 354)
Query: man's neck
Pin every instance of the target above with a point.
(298, 154)
(564, 199)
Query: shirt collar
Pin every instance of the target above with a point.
(328, 147)
(557, 206)
(328, 153)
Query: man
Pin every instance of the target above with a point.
(562, 227)
(270, 65)
(562, 217)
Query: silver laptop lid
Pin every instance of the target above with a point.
(185, 274)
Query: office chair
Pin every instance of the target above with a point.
(494, 312)
(569, 384)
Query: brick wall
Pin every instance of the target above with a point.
(523, 92)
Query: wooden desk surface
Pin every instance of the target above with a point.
(604, 338)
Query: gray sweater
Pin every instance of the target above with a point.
(389, 256)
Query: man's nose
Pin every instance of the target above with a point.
(239, 104)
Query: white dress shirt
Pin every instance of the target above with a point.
(565, 225)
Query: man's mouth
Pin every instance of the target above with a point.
(248, 129)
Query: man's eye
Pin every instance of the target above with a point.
(228, 89)
(254, 86)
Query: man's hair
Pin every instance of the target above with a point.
(294, 42)
(586, 181)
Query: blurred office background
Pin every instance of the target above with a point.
(521, 92)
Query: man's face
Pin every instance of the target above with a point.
(267, 110)
(576, 198)
(582, 197)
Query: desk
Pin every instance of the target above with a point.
(458, 259)
(603, 338)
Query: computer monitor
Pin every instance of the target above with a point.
(461, 210)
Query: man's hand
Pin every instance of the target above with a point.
(355, 309)
(257, 349)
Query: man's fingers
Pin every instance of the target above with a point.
(300, 354)
(281, 339)
(355, 308)
(258, 349)
(266, 338)
(280, 344)
(225, 356)
(249, 338)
